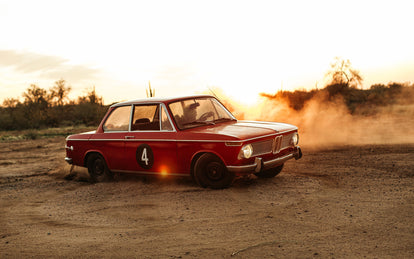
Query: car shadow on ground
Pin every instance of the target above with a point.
(80, 174)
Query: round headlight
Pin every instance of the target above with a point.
(295, 139)
(247, 151)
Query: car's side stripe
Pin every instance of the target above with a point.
(187, 140)
(152, 140)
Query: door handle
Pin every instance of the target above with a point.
(129, 137)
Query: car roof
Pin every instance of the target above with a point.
(160, 100)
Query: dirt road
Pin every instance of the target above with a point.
(350, 201)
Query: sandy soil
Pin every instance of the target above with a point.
(348, 201)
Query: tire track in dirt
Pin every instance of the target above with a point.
(351, 201)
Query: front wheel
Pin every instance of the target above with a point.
(270, 173)
(97, 168)
(210, 171)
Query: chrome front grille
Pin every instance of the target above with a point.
(274, 145)
(286, 142)
(277, 144)
(282, 142)
(262, 147)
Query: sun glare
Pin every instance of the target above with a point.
(246, 98)
(164, 171)
(248, 48)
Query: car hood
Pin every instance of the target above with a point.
(244, 130)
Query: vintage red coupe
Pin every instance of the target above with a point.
(188, 136)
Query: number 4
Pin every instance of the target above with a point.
(144, 156)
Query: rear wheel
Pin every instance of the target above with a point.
(270, 173)
(97, 168)
(210, 171)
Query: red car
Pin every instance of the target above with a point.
(188, 136)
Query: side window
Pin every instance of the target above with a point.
(165, 122)
(118, 120)
(146, 117)
(178, 112)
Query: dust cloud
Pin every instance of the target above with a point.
(325, 123)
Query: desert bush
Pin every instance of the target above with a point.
(42, 109)
(361, 101)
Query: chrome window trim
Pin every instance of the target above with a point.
(131, 117)
(169, 118)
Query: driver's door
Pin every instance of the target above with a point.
(150, 145)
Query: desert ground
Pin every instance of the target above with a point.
(336, 202)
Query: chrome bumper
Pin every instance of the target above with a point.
(260, 165)
(68, 160)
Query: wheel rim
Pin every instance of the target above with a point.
(99, 167)
(215, 171)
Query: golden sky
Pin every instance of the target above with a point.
(187, 47)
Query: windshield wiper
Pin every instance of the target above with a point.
(223, 120)
(199, 122)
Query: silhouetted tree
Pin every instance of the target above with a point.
(11, 115)
(91, 97)
(35, 95)
(10, 102)
(342, 73)
(41, 108)
(36, 105)
(60, 92)
(90, 109)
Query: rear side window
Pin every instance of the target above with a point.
(118, 120)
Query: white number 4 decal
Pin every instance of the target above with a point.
(144, 156)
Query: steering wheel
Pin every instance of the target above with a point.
(206, 115)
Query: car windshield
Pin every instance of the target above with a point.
(197, 112)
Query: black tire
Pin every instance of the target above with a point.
(98, 170)
(270, 173)
(210, 171)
